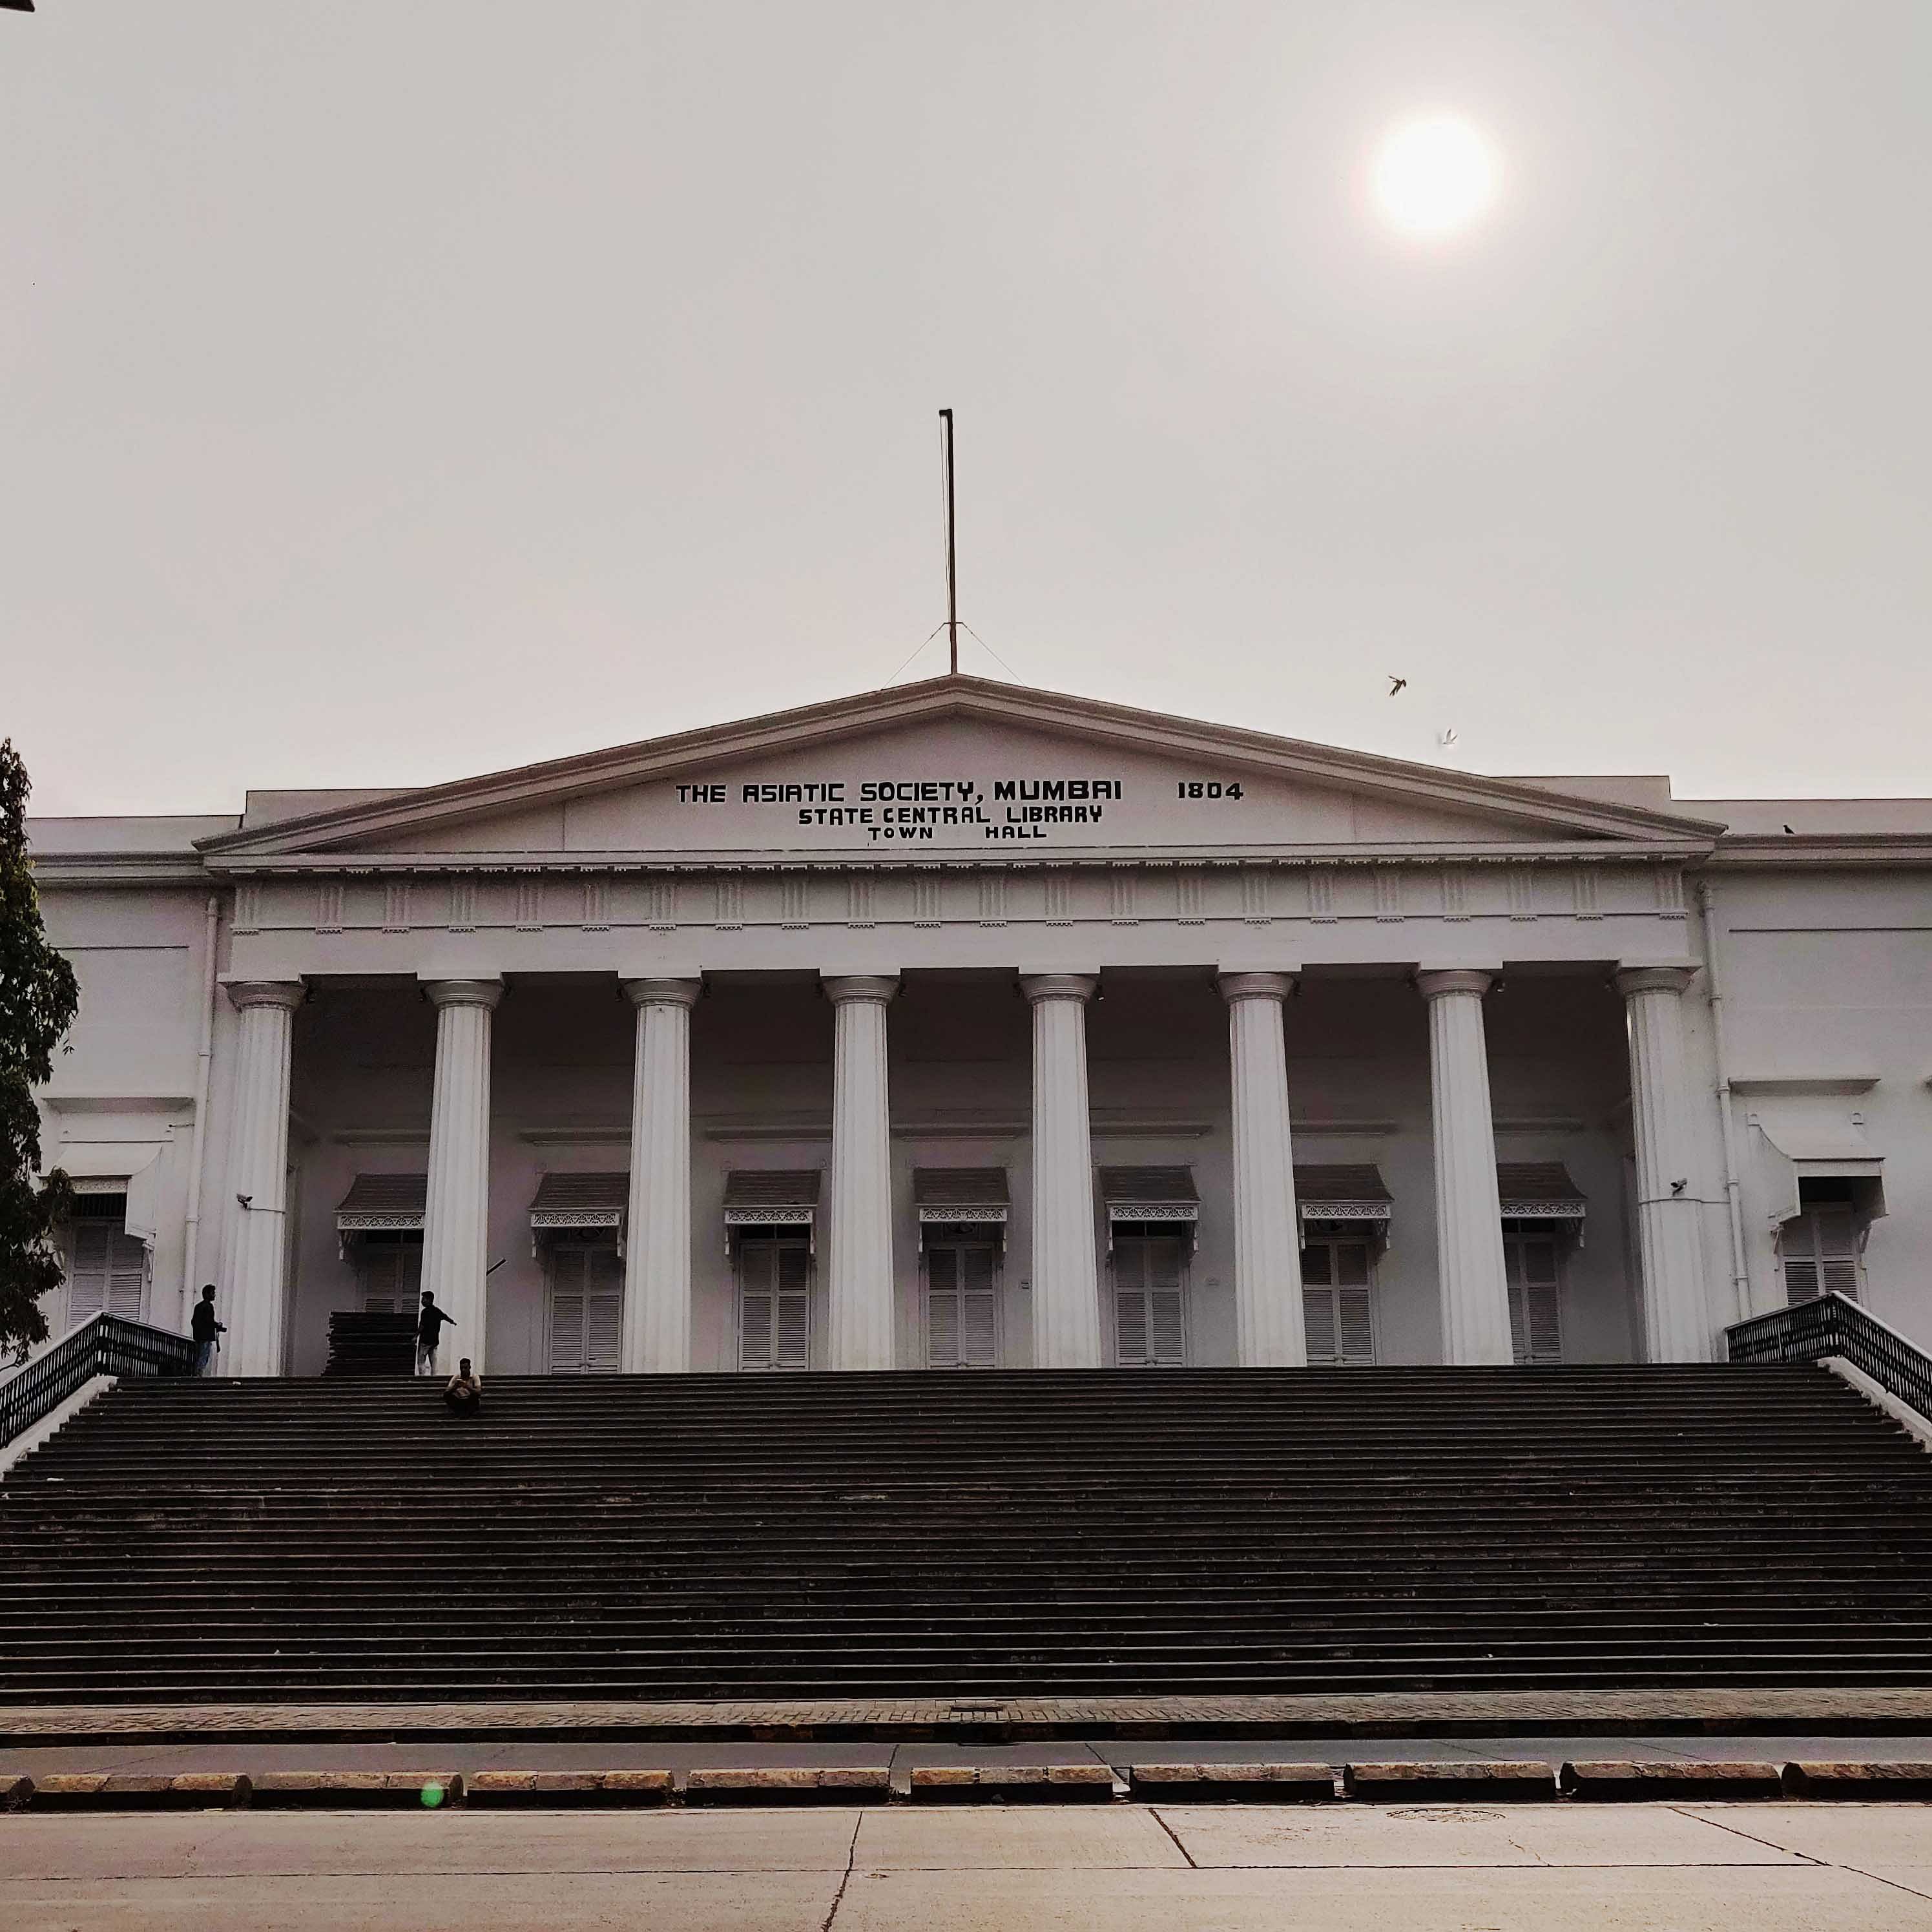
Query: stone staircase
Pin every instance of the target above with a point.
(969, 1535)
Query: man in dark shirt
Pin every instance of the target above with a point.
(205, 1328)
(429, 1332)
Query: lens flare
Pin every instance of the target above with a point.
(1435, 175)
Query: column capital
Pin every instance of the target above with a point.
(1673, 976)
(243, 994)
(840, 987)
(483, 992)
(1038, 986)
(1254, 985)
(662, 992)
(1433, 982)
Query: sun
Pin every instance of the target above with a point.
(1435, 176)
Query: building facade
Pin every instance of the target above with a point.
(959, 1025)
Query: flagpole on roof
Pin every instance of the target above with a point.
(952, 564)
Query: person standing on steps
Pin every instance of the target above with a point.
(429, 1332)
(205, 1328)
(464, 1391)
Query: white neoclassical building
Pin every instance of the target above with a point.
(960, 1024)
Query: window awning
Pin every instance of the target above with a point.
(1538, 1190)
(1343, 1194)
(581, 1201)
(102, 1167)
(1809, 1139)
(1149, 1194)
(777, 1198)
(383, 1204)
(960, 1193)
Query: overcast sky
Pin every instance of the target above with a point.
(390, 392)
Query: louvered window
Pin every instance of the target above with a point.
(774, 1303)
(388, 1272)
(587, 1307)
(1533, 1268)
(107, 1268)
(1820, 1251)
(961, 1304)
(1149, 1301)
(1337, 1301)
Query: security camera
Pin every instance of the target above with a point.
(247, 1200)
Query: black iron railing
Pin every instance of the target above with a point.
(1831, 1325)
(102, 1345)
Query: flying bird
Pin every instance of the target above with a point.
(1395, 683)
(1445, 737)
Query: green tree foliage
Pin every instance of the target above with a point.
(38, 999)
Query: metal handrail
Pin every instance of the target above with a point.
(1835, 1325)
(102, 1345)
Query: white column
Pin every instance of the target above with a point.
(1468, 1214)
(254, 1307)
(456, 1218)
(1676, 1320)
(657, 1252)
(860, 1246)
(1065, 1277)
(1268, 1329)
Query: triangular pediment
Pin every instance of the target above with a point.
(959, 766)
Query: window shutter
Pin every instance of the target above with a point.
(566, 1311)
(979, 1310)
(1358, 1331)
(1130, 1323)
(566, 1331)
(1837, 1247)
(1535, 1298)
(1801, 1263)
(1166, 1319)
(603, 1318)
(1544, 1319)
(1318, 1317)
(942, 1308)
(603, 1310)
(127, 1275)
(87, 1277)
(754, 1327)
(391, 1274)
(1518, 1324)
(1317, 1265)
(794, 1306)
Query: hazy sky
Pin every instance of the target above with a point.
(392, 391)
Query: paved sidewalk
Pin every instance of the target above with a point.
(1364, 1714)
(1506, 1868)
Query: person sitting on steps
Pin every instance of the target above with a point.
(464, 1392)
(429, 1332)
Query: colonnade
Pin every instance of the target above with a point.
(1066, 1283)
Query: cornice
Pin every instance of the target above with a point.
(121, 868)
(654, 760)
(871, 858)
(1808, 851)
